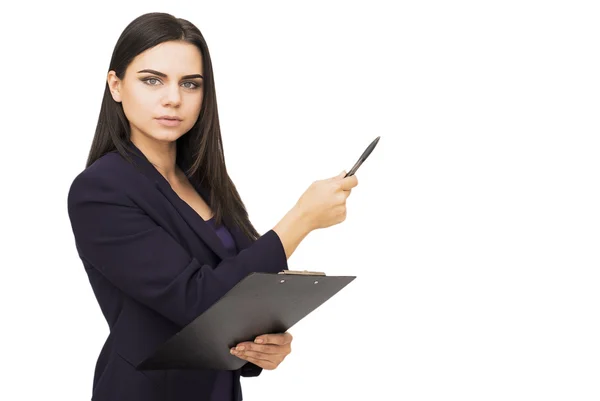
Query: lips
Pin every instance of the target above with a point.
(169, 118)
(168, 122)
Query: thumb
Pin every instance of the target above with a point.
(340, 175)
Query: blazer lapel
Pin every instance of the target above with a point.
(196, 223)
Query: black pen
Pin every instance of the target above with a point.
(363, 157)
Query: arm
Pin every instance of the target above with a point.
(292, 229)
(140, 258)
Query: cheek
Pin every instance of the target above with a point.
(196, 104)
(138, 107)
(193, 108)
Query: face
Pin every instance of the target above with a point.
(165, 80)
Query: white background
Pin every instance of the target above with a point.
(474, 230)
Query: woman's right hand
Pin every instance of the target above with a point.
(323, 204)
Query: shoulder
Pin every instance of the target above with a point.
(107, 178)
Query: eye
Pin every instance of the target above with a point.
(147, 81)
(151, 82)
(193, 85)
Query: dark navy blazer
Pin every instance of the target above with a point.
(154, 265)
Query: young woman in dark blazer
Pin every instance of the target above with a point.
(160, 227)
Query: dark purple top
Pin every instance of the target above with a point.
(223, 390)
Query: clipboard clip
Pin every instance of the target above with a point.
(301, 273)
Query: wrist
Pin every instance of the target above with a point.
(300, 220)
(292, 229)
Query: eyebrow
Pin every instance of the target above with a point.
(160, 74)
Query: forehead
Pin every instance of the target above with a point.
(172, 58)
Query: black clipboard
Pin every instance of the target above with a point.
(261, 303)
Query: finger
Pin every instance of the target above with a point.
(265, 349)
(243, 345)
(339, 176)
(261, 363)
(340, 211)
(288, 337)
(345, 194)
(256, 355)
(277, 339)
(349, 182)
(276, 358)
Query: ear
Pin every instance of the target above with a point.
(114, 84)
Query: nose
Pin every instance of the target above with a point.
(172, 96)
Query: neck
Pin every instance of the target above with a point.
(162, 155)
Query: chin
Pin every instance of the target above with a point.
(166, 135)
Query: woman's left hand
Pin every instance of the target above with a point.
(267, 351)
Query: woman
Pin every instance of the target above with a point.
(159, 225)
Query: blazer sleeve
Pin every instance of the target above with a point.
(251, 370)
(140, 258)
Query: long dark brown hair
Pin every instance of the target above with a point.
(200, 150)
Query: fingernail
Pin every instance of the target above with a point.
(233, 351)
(258, 340)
